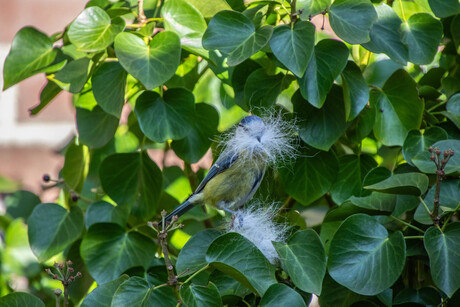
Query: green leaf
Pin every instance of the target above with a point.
(385, 35)
(103, 212)
(76, 166)
(197, 142)
(398, 109)
(423, 163)
(17, 299)
(281, 295)
(102, 296)
(294, 47)
(73, 76)
(328, 60)
(444, 8)
(93, 30)
(363, 258)
(453, 109)
(200, 296)
(311, 7)
(407, 184)
(304, 259)
(375, 201)
(454, 25)
(31, 50)
(108, 251)
(95, 127)
(352, 20)
(235, 35)
(335, 295)
(352, 170)
(193, 255)
(422, 33)
(416, 142)
(136, 291)
(170, 117)
(236, 256)
(228, 286)
(48, 93)
(52, 228)
(132, 179)
(311, 176)
(442, 248)
(448, 198)
(109, 82)
(355, 90)
(321, 128)
(210, 10)
(262, 90)
(152, 64)
(424, 296)
(186, 21)
(21, 203)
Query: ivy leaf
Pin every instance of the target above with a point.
(328, 60)
(52, 228)
(103, 294)
(398, 109)
(93, 30)
(170, 117)
(198, 295)
(352, 20)
(416, 142)
(109, 82)
(442, 248)
(108, 251)
(197, 142)
(76, 166)
(304, 259)
(361, 253)
(132, 179)
(336, 295)
(444, 8)
(311, 176)
(281, 295)
(236, 256)
(21, 203)
(136, 291)
(321, 128)
(31, 50)
(294, 47)
(422, 33)
(355, 90)
(193, 255)
(95, 127)
(73, 76)
(385, 36)
(407, 183)
(152, 64)
(185, 20)
(423, 163)
(103, 212)
(21, 299)
(235, 35)
(48, 93)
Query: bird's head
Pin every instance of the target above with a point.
(251, 129)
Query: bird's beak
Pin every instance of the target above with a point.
(258, 138)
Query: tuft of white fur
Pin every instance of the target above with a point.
(276, 144)
(256, 224)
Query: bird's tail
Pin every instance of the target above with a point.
(184, 207)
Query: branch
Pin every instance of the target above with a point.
(142, 18)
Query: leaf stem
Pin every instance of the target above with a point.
(449, 217)
(196, 273)
(407, 224)
(402, 10)
(413, 237)
(140, 5)
(424, 205)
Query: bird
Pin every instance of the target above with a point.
(236, 175)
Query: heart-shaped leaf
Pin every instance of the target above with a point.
(422, 33)
(170, 117)
(355, 90)
(103, 212)
(21, 203)
(328, 60)
(352, 20)
(199, 295)
(95, 127)
(416, 142)
(52, 228)
(132, 179)
(304, 259)
(442, 248)
(235, 35)
(407, 183)
(152, 64)
(102, 296)
(20, 299)
(281, 295)
(361, 253)
(30, 51)
(294, 47)
(444, 8)
(398, 109)
(136, 291)
(109, 82)
(236, 256)
(108, 251)
(93, 30)
(73, 76)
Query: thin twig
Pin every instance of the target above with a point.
(413, 237)
(196, 273)
(142, 18)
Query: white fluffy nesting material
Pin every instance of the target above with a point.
(257, 225)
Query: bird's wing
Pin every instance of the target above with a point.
(222, 164)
